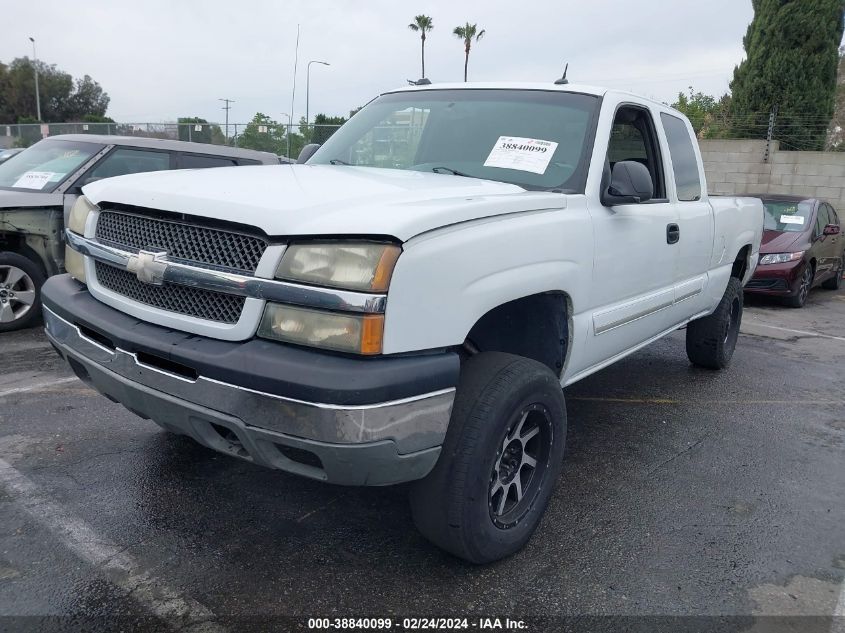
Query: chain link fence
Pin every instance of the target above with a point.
(283, 139)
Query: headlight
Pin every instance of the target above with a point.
(364, 267)
(355, 333)
(781, 258)
(82, 208)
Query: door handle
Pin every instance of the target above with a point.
(673, 233)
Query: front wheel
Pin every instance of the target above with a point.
(499, 462)
(800, 297)
(20, 292)
(711, 340)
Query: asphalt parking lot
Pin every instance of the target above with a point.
(685, 493)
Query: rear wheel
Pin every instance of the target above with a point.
(711, 340)
(835, 282)
(501, 457)
(800, 297)
(20, 292)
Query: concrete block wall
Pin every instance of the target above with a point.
(736, 167)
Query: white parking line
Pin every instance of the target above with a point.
(119, 567)
(838, 625)
(801, 332)
(38, 385)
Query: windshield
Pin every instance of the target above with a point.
(531, 138)
(787, 216)
(45, 165)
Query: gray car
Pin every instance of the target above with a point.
(38, 189)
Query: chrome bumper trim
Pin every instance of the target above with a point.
(233, 283)
(414, 424)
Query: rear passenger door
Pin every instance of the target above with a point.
(695, 216)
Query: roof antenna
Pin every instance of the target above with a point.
(563, 80)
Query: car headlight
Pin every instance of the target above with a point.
(82, 208)
(363, 266)
(781, 258)
(355, 333)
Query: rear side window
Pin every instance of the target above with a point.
(684, 164)
(129, 161)
(197, 161)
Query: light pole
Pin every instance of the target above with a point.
(290, 123)
(308, 85)
(35, 66)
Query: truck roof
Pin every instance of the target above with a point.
(167, 144)
(598, 91)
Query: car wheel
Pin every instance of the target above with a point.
(800, 297)
(20, 292)
(835, 282)
(500, 459)
(711, 340)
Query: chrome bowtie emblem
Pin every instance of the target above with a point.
(148, 266)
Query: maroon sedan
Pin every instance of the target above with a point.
(802, 247)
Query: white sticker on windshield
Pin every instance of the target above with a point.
(524, 154)
(34, 180)
(792, 219)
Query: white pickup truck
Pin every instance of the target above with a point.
(408, 304)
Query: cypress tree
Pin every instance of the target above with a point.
(791, 51)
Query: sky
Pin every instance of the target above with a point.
(159, 60)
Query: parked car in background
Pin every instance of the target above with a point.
(6, 154)
(802, 248)
(38, 190)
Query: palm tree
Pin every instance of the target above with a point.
(467, 33)
(422, 24)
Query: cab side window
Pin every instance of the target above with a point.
(203, 161)
(633, 138)
(684, 162)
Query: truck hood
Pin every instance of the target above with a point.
(287, 200)
(29, 199)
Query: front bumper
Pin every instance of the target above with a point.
(233, 398)
(780, 280)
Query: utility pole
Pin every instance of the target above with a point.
(35, 66)
(308, 86)
(227, 107)
(770, 132)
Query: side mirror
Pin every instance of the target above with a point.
(307, 152)
(831, 229)
(630, 183)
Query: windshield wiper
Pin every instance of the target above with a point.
(337, 161)
(449, 170)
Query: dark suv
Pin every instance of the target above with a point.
(38, 189)
(802, 247)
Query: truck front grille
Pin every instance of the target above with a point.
(195, 302)
(191, 243)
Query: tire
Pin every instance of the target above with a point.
(711, 340)
(507, 408)
(20, 292)
(835, 282)
(800, 298)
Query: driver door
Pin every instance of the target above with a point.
(635, 263)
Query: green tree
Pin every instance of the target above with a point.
(836, 131)
(791, 60)
(62, 98)
(467, 33)
(265, 134)
(709, 116)
(188, 130)
(324, 127)
(422, 24)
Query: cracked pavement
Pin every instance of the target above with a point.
(684, 493)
